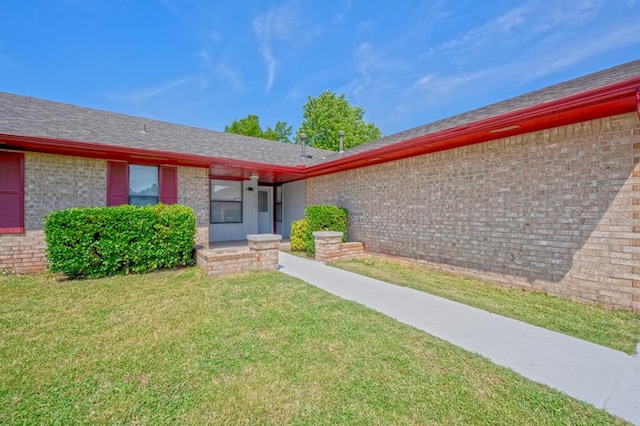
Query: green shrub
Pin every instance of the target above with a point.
(298, 230)
(323, 218)
(96, 242)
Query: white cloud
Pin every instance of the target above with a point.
(485, 36)
(516, 50)
(138, 96)
(524, 24)
(489, 33)
(173, 7)
(366, 58)
(585, 48)
(204, 56)
(229, 74)
(283, 23)
(264, 27)
(340, 16)
(220, 69)
(443, 87)
(214, 37)
(374, 70)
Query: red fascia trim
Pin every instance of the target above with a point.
(133, 155)
(609, 100)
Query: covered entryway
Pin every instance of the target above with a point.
(241, 208)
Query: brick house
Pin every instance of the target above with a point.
(541, 191)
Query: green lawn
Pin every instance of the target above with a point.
(616, 329)
(179, 347)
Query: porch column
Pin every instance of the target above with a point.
(266, 247)
(327, 245)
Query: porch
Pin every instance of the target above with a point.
(257, 252)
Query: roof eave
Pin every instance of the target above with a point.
(218, 166)
(618, 98)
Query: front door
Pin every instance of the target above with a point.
(265, 210)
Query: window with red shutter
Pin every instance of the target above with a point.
(141, 185)
(117, 183)
(11, 192)
(168, 185)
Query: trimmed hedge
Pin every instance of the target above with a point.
(317, 218)
(95, 242)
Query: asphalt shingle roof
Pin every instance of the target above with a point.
(26, 116)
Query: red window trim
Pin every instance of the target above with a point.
(20, 228)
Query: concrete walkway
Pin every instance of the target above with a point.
(600, 376)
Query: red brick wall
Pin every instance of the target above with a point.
(261, 254)
(24, 253)
(329, 247)
(56, 182)
(52, 182)
(556, 210)
(193, 191)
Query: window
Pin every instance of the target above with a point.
(226, 201)
(278, 203)
(11, 193)
(263, 202)
(143, 185)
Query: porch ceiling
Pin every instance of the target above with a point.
(266, 174)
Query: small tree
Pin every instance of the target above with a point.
(250, 126)
(329, 113)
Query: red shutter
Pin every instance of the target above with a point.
(117, 183)
(168, 185)
(11, 193)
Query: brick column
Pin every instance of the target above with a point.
(327, 245)
(266, 248)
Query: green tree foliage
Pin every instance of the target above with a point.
(281, 132)
(250, 126)
(329, 113)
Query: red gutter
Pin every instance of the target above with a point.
(618, 98)
(610, 100)
(140, 155)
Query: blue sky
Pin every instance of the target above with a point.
(206, 63)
